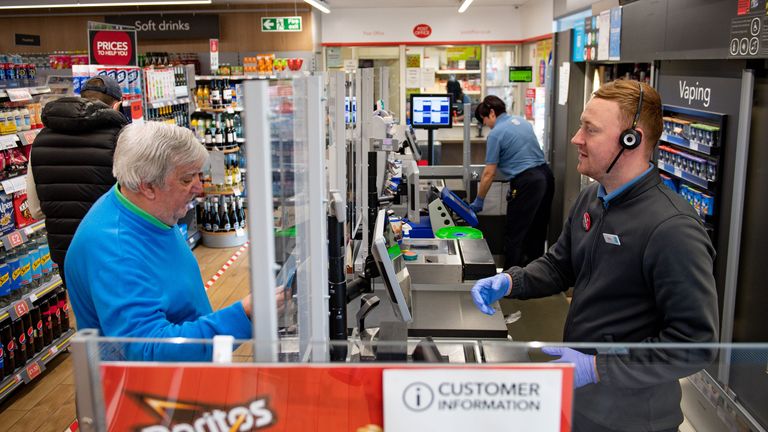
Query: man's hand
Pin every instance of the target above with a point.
(586, 369)
(489, 290)
(281, 297)
(477, 204)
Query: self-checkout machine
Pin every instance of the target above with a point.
(445, 311)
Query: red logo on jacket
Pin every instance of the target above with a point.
(586, 222)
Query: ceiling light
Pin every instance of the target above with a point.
(465, 5)
(319, 5)
(105, 4)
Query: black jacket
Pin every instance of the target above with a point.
(72, 164)
(657, 285)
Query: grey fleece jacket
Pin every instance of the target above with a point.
(655, 285)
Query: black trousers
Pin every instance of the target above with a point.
(529, 203)
(583, 424)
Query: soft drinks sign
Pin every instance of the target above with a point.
(112, 47)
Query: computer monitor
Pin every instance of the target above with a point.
(413, 143)
(386, 255)
(431, 111)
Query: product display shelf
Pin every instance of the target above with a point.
(457, 71)
(170, 102)
(33, 91)
(36, 365)
(230, 110)
(20, 307)
(25, 137)
(682, 142)
(680, 174)
(233, 77)
(20, 236)
(13, 184)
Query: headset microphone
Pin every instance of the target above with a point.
(630, 138)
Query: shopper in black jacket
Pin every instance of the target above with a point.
(640, 263)
(71, 159)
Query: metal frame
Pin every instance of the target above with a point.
(261, 227)
(91, 411)
(311, 229)
(737, 214)
(364, 90)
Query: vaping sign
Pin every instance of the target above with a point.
(112, 47)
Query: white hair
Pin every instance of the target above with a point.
(148, 152)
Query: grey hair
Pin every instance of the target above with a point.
(148, 152)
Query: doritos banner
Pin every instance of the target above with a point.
(213, 398)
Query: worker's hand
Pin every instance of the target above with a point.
(282, 298)
(586, 369)
(489, 290)
(477, 204)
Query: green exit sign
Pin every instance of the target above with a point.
(281, 24)
(520, 74)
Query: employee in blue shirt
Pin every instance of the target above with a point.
(513, 150)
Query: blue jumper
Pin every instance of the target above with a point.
(130, 275)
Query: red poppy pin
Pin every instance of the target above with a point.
(586, 222)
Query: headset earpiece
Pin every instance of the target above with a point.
(631, 138)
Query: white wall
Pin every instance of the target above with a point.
(395, 25)
(537, 17)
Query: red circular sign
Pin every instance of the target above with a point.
(112, 48)
(422, 31)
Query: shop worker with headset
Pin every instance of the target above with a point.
(129, 268)
(513, 149)
(640, 264)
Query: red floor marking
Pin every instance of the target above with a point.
(226, 266)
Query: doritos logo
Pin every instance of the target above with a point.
(182, 416)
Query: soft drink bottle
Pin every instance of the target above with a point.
(45, 313)
(12, 259)
(5, 282)
(25, 267)
(61, 296)
(53, 306)
(9, 350)
(37, 268)
(37, 324)
(45, 257)
(20, 339)
(26, 326)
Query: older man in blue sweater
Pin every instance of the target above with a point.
(129, 270)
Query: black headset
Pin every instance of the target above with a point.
(630, 139)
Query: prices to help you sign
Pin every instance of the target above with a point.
(281, 24)
(112, 47)
(477, 399)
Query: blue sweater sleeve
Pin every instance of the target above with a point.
(130, 305)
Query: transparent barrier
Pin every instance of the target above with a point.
(428, 384)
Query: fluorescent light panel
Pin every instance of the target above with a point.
(316, 4)
(103, 4)
(465, 5)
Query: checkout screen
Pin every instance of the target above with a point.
(431, 111)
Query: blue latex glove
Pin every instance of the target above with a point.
(489, 290)
(586, 369)
(477, 204)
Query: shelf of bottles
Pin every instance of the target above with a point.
(167, 95)
(281, 119)
(689, 158)
(218, 123)
(34, 316)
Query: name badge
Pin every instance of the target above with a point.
(612, 239)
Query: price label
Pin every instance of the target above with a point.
(15, 239)
(33, 297)
(236, 191)
(230, 110)
(29, 137)
(8, 142)
(678, 172)
(34, 370)
(15, 184)
(21, 308)
(18, 95)
(239, 232)
(54, 350)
